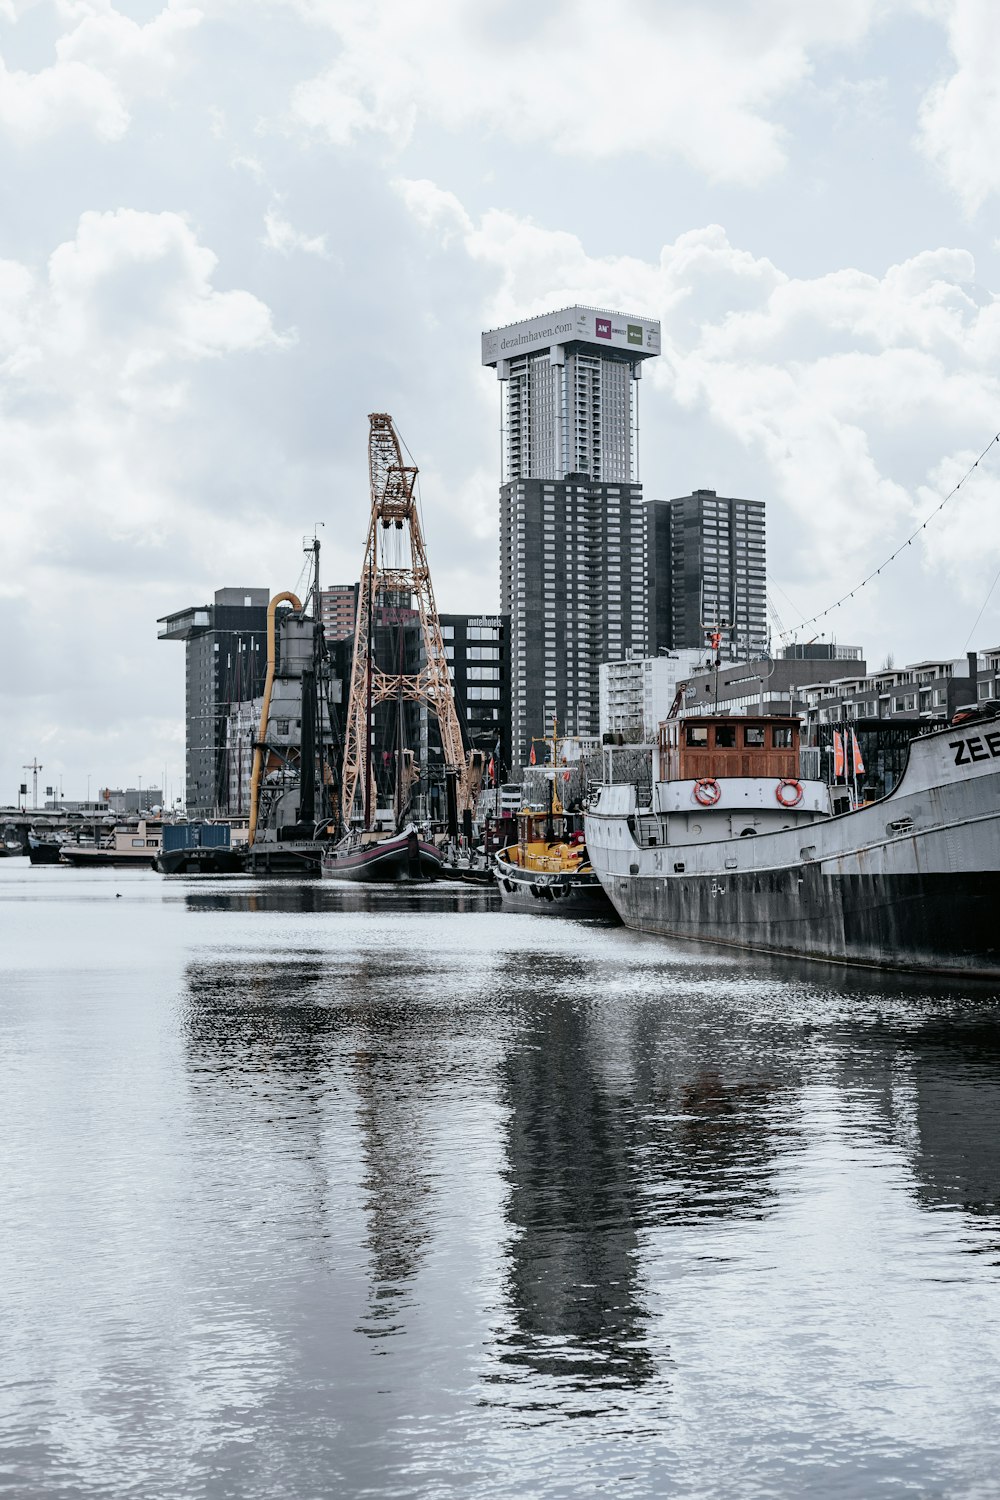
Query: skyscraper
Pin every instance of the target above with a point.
(706, 565)
(572, 527)
(226, 661)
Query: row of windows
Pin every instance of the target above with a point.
(731, 736)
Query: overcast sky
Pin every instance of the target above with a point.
(231, 229)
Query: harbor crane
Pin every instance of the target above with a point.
(396, 570)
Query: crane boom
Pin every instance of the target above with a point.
(393, 568)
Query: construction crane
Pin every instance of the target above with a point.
(396, 567)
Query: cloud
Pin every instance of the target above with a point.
(853, 396)
(283, 237)
(97, 424)
(104, 60)
(694, 81)
(959, 122)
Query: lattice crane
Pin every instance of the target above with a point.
(396, 565)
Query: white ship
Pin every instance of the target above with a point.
(730, 844)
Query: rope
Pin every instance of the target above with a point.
(986, 601)
(814, 619)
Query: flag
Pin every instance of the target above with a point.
(859, 765)
(531, 757)
(838, 755)
(491, 772)
(566, 775)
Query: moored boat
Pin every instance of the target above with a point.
(136, 844)
(731, 844)
(44, 849)
(403, 856)
(548, 870)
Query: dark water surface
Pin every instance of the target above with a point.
(311, 1191)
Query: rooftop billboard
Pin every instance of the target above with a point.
(638, 337)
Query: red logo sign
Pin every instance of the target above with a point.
(603, 326)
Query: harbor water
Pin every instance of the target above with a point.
(314, 1190)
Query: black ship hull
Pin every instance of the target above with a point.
(945, 923)
(44, 854)
(552, 894)
(200, 861)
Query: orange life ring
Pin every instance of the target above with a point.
(786, 785)
(707, 791)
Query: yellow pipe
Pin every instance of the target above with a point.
(258, 754)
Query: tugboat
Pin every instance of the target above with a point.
(548, 870)
(731, 844)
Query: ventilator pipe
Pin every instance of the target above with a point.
(258, 754)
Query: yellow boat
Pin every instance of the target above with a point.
(547, 869)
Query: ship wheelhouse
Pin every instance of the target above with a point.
(714, 746)
(718, 777)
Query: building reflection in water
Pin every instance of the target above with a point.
(294, 1043)
(935, 1083)
(617, 1129)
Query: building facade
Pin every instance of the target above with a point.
(338, 610)
(769, 685)
(572, 537)
(478, 652)
(572, 581)
(637, 693)
(569, 381)
(930, 691)
(225, 663)
(884, 710)
(707, 568)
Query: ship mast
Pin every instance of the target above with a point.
(396, 565)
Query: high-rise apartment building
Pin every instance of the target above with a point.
(226, 662)
(478, 652)
(338, 610)
(706, 566)
(572, 526)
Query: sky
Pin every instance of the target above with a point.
(231, 229)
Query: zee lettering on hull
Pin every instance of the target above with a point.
(976, 747)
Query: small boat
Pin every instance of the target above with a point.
(463, 871)
(44, 848)
(401, 856)
(731, 843)
(11, 843)
(136, 844)
(548, 869)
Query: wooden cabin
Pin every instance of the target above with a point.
(716, 745)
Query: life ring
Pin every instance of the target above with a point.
(789, 792)
(707, 791)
